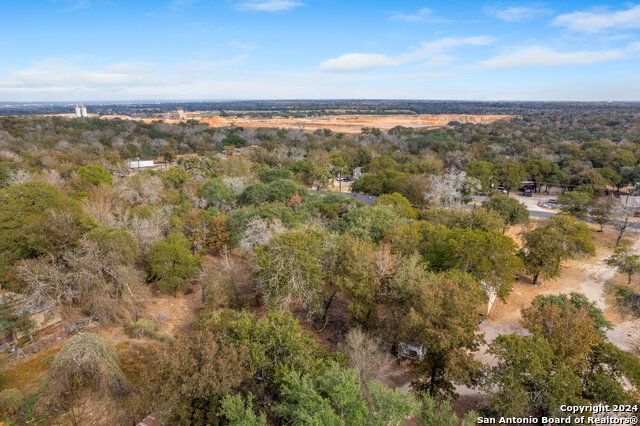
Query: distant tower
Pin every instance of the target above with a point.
(181, 114)
(78, 111)
(83, 110)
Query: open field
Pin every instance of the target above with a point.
(353, 123)
(346, 123)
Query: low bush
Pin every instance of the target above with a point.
(11, 401)
(86, 362)
(146, 328)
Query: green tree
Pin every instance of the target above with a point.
(509, 175)
(389, 406)
(333, 398)
(546, 247)
(566, 360)
(278, 190)
(439, 315)
(489, 256)
(512, 211)
(439, 413)
(194, 376)
(610, 177)
(575, 203)
(171, 264)
(217, 193)
(336, 398)
(175, 178)
(268, 174)
(276, 346)
(625, 261)
(236, 413)
(369, 222)
(528, 379)
(538, 171)
(290, 268)
(169, 156)
(355, 275)
(483, 171)
(94, 175)
(399, 203)
(235, 140)
(384, 182)
(36, 218)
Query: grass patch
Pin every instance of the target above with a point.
(146, 328)
(25, 374)
(135, 360)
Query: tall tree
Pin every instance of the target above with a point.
(291, 268)
(575, 203)
(509, 175)
(512, 211)
(439, 315)
(171, 264)
(601, 210)
(566, 360)
(546, 247)
(625, 261)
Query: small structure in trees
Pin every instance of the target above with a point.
(18, 317)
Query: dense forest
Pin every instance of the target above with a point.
(308, 304)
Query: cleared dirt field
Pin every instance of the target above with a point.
(352, 123)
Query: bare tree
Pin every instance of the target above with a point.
(385, 264)
(259, 232)
(19, 176)
(88, 278)
(366, 356)
(453, 188)
(139, 189)
(621, 213)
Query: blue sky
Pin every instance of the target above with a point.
(74, 50)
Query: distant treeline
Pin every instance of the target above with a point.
(298, 108)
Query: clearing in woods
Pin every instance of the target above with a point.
(586, 275)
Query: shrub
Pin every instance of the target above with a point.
(145, 328)
(217, 193)
(94, 175)
(10, 401)
(86, 362)
(171, 263)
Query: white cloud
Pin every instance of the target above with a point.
(350, 62)
(540, 56)
(599, 20)
(421, 16)
(519, 12)
(57, 74)
(269, 5)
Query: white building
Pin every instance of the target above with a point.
(81, 111)
(139, 164)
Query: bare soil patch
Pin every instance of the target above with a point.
(353, 123)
